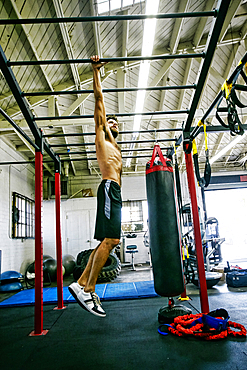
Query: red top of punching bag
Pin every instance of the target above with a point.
(158, 162)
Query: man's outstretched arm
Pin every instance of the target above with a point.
(99, 111)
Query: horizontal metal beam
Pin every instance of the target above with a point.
(119, 143)
(107, 18)
(24, 107)
(55, 118)
(17, 162)
(199, 129)
(50, 152)
(125, 89)
(71, 160)
(120, 132)
(116, 59)
(17, 128)
(16, 91)
(122, 151)
(95, 158)
(219, 128)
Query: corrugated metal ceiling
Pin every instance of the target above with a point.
(80, 40)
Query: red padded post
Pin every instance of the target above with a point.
(59, 243)
(38, 314)
(197, 234)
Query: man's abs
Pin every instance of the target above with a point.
(111, 172)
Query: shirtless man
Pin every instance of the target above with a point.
(109, 203)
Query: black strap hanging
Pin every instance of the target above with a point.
(234, 124)
(205, 180)
(178, 186)
(235, 98)
(235, 87)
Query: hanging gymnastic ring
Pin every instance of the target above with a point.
(207, 172)
(202, 181)
(235, 99)
(233, 119)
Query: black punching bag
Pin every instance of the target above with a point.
(164, 233)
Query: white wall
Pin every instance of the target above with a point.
(134, 188)
(76, 230)
(78, 220)
(16, 253)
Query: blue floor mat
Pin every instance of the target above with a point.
(115, 291)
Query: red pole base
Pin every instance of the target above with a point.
(59, 308)
(33, 334)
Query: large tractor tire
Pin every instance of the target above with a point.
(109, 272)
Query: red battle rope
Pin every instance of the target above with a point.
(192, 325)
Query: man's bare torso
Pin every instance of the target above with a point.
(110, 160)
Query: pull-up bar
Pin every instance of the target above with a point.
(125, 89)
(95, 159)
(107, 18)
(120, 132)
(119, 142)
(73, 159)
(55, 118)
(122, 151)
(115, 59)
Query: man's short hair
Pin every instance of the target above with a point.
(112, 117)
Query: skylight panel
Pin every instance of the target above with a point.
(105, 6)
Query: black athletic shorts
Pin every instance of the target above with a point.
(109, 204)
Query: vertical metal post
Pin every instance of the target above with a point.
(58, 238)
(38, 314)
(38, 243)
(197, 234)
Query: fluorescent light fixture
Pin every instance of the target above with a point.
(226, 148)
(152, 7)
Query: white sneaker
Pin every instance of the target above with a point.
(88, 301)
(91, 302)
(75, 289)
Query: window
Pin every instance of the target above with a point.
(105, 6)
(51, 187)
(134, 216)
(22, 217)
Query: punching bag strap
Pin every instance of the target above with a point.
(157, 153)
(158, 162)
